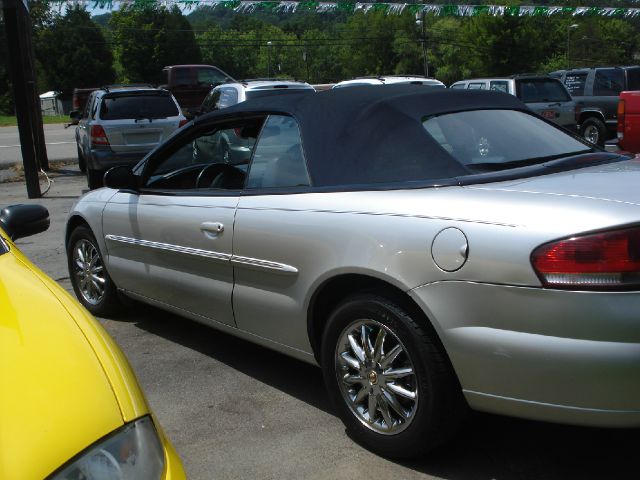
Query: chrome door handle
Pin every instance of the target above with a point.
(211, 228)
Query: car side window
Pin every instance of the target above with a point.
(214, 158)
(210, 102)
(608, 82)
(575, 83)
(181, 77)
(499, 86)
(279, 159)
(87, 106)
(458, 85)
(210, 77)
(477, 86)
(94, 107)
(228, 97)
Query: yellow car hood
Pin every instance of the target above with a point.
(64, 384)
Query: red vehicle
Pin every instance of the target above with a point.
(189, 84)
(80, 96)
(629, 121)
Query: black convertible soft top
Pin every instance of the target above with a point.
(356, 135)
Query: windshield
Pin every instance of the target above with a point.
(500, 139)
(152, 105)
(541, 90)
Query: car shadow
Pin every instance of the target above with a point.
(496, 447)
(487, 447)
(238, 354)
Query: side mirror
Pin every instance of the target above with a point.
(75, 115)
(121, 178)
(20, 221)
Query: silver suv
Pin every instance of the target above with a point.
(546, 96)
(391, 80)
(231, 93)
(230, 146)
(120, 125)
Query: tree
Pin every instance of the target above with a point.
(148, 38)
(450, 57)
(73, 52)
(246, 53)
(368, 45)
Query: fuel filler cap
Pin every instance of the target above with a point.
(450, 249)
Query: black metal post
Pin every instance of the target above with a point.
(34, 98)
(17, 29)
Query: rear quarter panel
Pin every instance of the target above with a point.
(388, 235)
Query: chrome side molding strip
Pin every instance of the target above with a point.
(171, 248)
(235, 260)
(263, 264)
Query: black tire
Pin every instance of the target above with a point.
(105, 305)
(82, 163)
(94, 178)
(593, 130)
(438, 409)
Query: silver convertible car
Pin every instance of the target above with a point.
(432, 250)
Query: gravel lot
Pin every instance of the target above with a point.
(236, 411)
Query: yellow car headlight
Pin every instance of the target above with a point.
(131, 452)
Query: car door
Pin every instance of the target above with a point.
(171, 242)
(548, 97)
(267, 253)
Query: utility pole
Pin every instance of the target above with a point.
(305, 57)
(269, 59)
(569, 28)
(420, 20)
(23, 78)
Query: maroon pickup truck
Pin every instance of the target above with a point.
(629, 121)
(189, 84)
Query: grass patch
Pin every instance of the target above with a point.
(9, 121)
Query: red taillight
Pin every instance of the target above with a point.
(98, 135)
(600, 261)
(182, 123)
(621, 109)
(76, 103)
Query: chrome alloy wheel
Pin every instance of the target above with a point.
(376, 377)
(592, 134)
(88, 271)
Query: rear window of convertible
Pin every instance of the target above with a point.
(499, 139)
(404, 151)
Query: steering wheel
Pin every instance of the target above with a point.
(215, 171)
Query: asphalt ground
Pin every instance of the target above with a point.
(235, 410)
